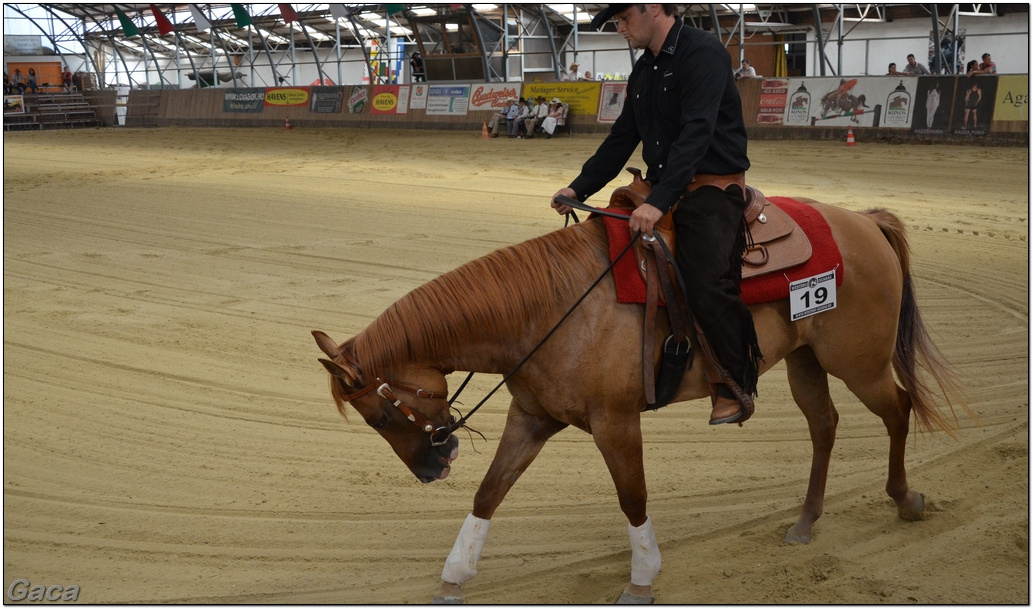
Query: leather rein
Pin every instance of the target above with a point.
(439, 436)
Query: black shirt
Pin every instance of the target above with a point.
(684, 107)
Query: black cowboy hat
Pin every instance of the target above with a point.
(606, 14)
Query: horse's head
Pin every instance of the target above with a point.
(409, 408)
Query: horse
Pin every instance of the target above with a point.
(489, 314)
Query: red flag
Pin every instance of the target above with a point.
(288, 13)
(164, 26)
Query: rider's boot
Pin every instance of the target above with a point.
(726, 409)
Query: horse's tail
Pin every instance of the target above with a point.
(915, 348)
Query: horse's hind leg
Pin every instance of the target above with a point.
(883, 397)
(809, 384)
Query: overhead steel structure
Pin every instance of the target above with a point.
(490, 42)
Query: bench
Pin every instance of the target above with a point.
(21, 121)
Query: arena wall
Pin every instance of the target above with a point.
(890, 108)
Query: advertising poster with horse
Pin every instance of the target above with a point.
(854, 102)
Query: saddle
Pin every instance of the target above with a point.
(775, 243)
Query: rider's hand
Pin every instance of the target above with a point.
(643, 219)
(559, 207)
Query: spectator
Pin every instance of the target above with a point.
(913, 68)
(18, 81)
(515, 116)
(972, 68)
(416, 67)
(537, 117)
(587, 76)
(745, 70)
(7, 84)
(986, 67)
(66, 80)
(572, 72)
(498, 118)
(32, 80)
(523, 111)
(555, 114)
(893, 70)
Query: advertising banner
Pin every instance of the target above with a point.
(357, 100)
(243, 100)
(286, 96)
(582, 97)
(418, 98)
(772, 104)
(611, 100)
(448, 100)
(326, 100)
(387, 99)
(873, 101)
(932, 113)
(492, 96)
(1012, 98)
(974, 101)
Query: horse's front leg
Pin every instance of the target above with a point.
(619, 439)
(522, 440)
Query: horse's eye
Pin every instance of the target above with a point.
(381, 422)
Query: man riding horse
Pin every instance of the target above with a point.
(684, 107)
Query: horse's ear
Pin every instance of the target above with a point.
(326, 344)
(348, 376)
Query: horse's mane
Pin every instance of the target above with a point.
(496, 295)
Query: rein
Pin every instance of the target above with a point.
(439, 436)
(576, 204)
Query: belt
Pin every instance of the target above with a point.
(721, 181)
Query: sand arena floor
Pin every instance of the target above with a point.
(169, 435)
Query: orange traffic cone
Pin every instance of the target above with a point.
(287, 123)
(850, 136)
(484, 130)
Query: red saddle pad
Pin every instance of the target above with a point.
(765, 288)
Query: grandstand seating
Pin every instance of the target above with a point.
(54, 110)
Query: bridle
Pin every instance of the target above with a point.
(439, 436)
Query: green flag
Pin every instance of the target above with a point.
(243, 19)
(128, 27)
(394, 8)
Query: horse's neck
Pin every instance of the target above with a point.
(487, 314)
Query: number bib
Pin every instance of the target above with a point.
(812, 295)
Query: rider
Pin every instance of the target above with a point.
(683, 106)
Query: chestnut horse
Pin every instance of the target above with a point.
(488, 314)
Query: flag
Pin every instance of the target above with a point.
(395, 8)
(200, 22)
(128, 27)
(288, 13)
(339, 11)
(243, 19)
(163, 24)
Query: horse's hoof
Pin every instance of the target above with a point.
(798, 534)
(636, 595)
(631, 599)
(912, 508)
(448, 594)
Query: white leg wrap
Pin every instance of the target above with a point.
(645, 553)
(461, 564)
